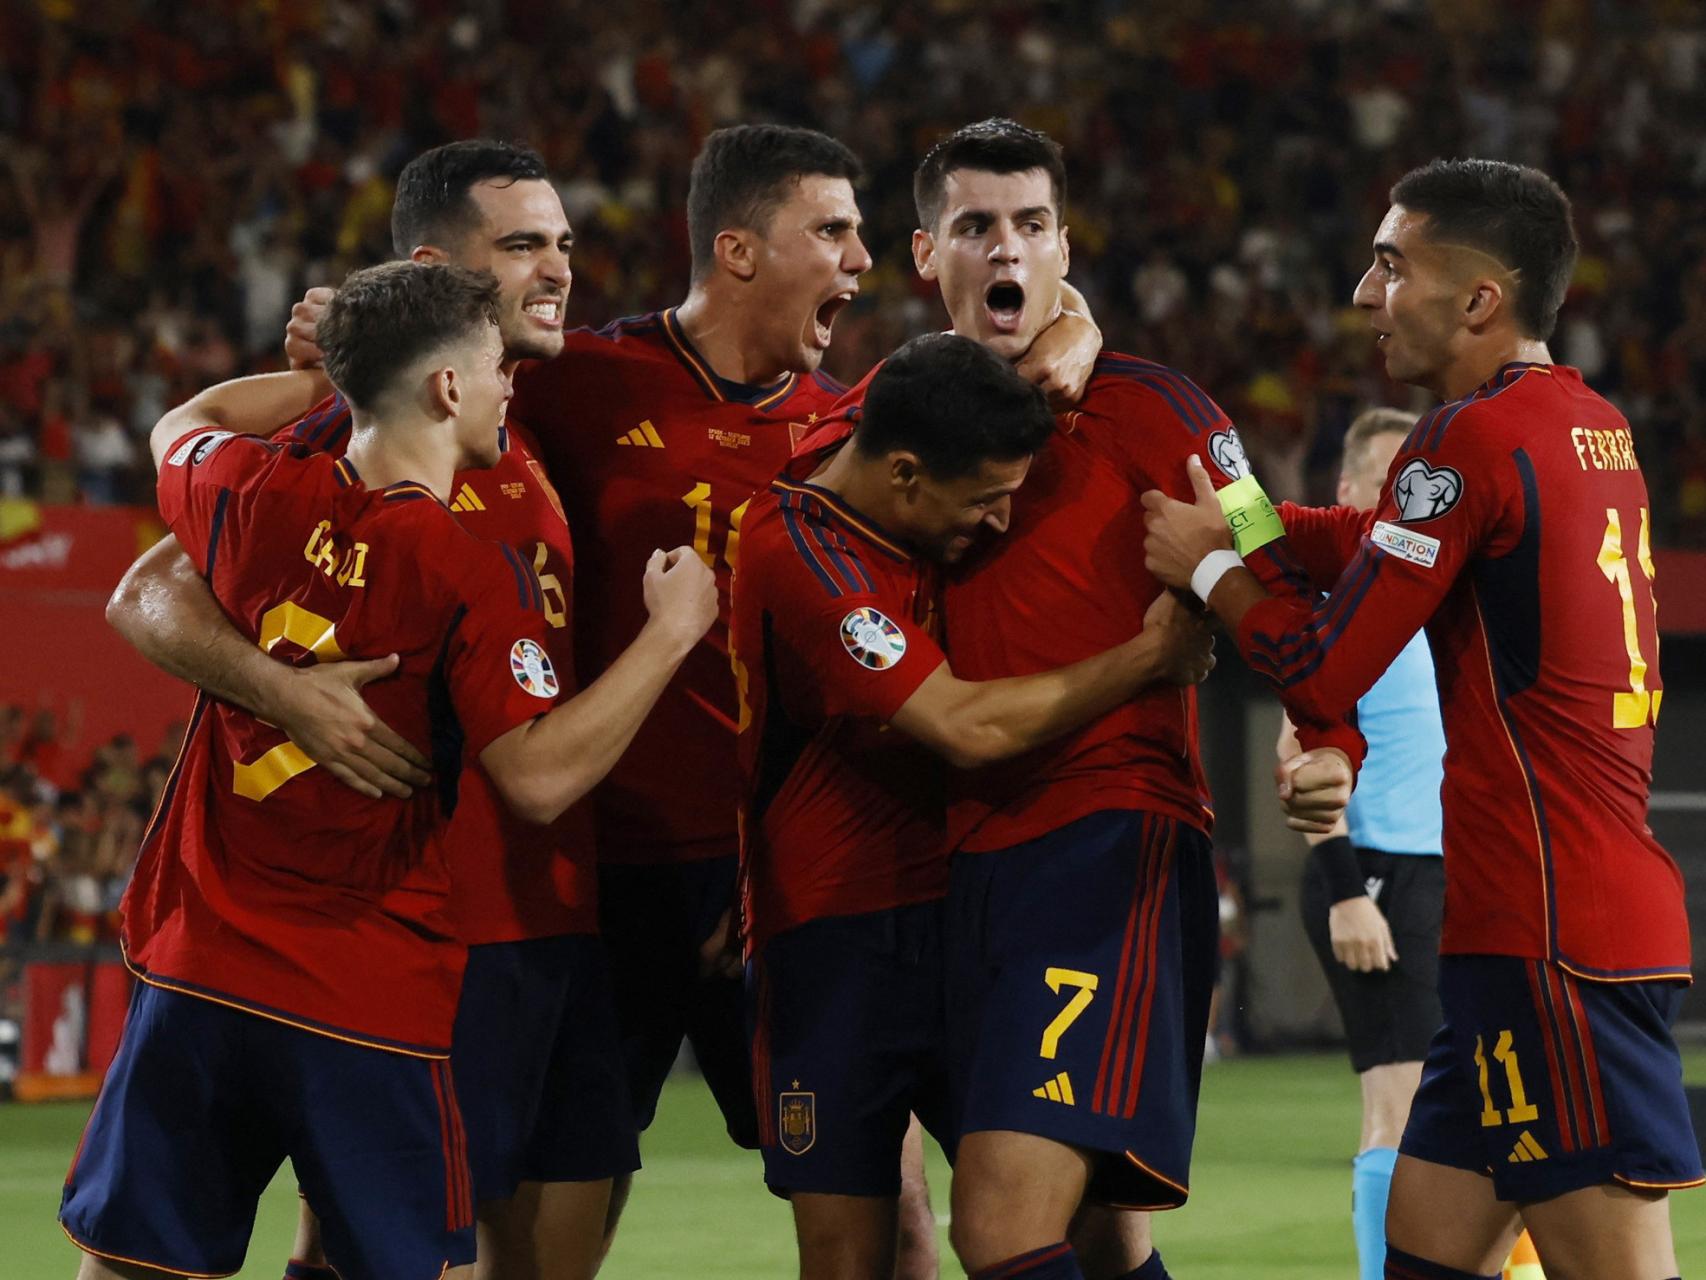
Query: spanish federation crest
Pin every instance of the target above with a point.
(797, 1121)
(872, 639)
(532, 669)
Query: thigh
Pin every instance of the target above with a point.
(181, 1143)
(381, 1155)
(843, 1014)
(583, 1128)
(1101, 941)
(508, 1021)
(1413, 900)
(1553, 1083)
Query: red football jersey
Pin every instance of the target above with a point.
(1514, 525)
(650, 449)
(833, 631)
(1067, 581)
(263, 882)
(513, 879)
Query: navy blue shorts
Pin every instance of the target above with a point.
(204, 1102)
(539, 1072)
(653, 918)
(1549, 1083)
(1080, 967)
(847, 1042)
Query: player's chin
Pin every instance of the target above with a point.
(534, 346)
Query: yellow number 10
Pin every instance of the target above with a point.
(1633, 709)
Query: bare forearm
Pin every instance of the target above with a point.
(250, 406)
(1008, 717)
(168, 614)
(544, 767)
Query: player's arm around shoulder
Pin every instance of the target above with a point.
(502, 680)
(251, 406)
(977, 722)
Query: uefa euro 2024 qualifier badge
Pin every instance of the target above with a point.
(531, 667)
(873, 640)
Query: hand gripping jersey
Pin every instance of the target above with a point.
(514, 879)
(262, 882)
(834, 629)
(1514, 525)
(651, 449)
(1067, 581)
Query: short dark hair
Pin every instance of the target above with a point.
(1517, 214)
(997, 145)
(382, 319)
(433, 204)
(741, 175)
(954, 403)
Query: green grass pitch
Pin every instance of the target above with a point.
(1270, 1194)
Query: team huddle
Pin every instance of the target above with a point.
(564, 695)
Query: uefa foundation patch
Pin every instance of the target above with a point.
(872, 639)
(532, 669)
(1404, 543)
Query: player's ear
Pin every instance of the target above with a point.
(737, 252)
(924, 254)
(1065, 251)
(904, 469)
(1486, 300)
(429, 253)
(447, 391)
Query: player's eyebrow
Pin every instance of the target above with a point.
(1388, 248)
(1033, 211)
(534, 238)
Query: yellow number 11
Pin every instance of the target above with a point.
(1632, 709)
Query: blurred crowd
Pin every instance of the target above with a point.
(173, 175)
(71, 818)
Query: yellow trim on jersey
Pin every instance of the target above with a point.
(846, 513)
(281, 1019)
(1676, 975)
(707, 379)
(1183, 1190)
(138, 1262)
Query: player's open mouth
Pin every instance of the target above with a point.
(1005, 303)
(824, 320)
(547, 311)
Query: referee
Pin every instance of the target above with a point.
(1374, 888)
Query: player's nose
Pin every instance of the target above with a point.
(1000, 511)
(1367, 293)
(856, 259)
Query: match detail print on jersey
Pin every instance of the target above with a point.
(532, 669)
(872, 639)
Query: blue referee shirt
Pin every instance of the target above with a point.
(1395, 808)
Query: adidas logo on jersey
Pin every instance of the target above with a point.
(644, 436)
(466, 500)
(1057, 1090)
(1526, 1151)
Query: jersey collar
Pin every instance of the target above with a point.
(721, 389)
(404, 490)
(860, 524)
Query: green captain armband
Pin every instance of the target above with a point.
(1249, 514)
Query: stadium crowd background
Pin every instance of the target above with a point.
(172, 176)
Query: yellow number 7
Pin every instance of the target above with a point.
(1056, 979)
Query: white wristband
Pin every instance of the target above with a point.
(1210, 569)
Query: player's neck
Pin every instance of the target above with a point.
(388, 453)
(1478, 365)
(860, 483)
(726, 335)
